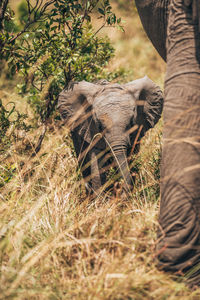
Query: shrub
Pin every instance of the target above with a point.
(57, 44)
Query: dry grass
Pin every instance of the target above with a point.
(53, 245)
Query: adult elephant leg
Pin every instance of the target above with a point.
(179, 233)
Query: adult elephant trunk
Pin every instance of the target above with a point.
(119, 151)
(156, 30)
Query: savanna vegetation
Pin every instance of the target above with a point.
(55, 243)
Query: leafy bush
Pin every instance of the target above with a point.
(10, 118)
(11, 121)
(61, 46)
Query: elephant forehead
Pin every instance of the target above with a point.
(114, 100)
(114, 120)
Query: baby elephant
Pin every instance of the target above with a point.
(105, 119)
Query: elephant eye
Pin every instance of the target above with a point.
(128, 127)
(135, 112)
(131, 125)
(132, 122)
(100, 126)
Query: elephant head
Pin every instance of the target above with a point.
(113, 110)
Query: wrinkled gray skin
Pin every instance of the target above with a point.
(173, 27)
(106, 116)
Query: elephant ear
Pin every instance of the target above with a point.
(75, 106)
(149, 99)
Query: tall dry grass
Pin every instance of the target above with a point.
(54, 245)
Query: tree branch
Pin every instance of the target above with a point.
(3, 7)
(35, 19)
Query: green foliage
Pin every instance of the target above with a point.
(10, 119)
(60, 47)
(10, 23)
(6, 173)
(53, 60)
(11, 122)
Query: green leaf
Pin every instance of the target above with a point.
(58, 48)
(101, 11)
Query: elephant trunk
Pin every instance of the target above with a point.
(119, 150)
(157, 12)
